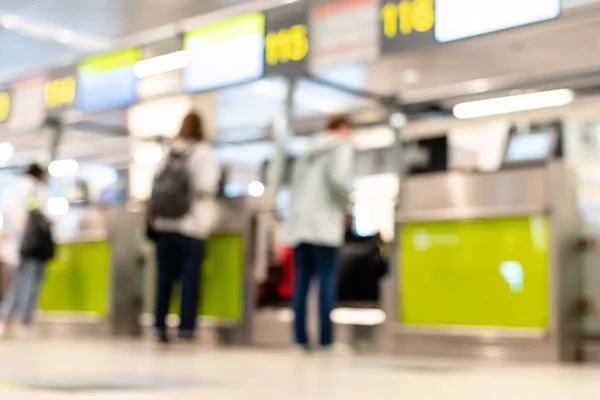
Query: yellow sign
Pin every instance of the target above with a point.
(286, 45)
(407, 17)
(4, 106)
(60, 92)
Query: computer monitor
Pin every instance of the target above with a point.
(531, 148)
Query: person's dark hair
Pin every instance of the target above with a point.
(337, 122)
(192, 128)
(36, 171)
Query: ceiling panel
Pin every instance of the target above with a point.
(20, 52)
(105, 20)
(113, 18)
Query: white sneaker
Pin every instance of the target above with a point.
(27, 333)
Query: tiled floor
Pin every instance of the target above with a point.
(140, 371)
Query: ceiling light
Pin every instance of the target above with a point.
(62, 168)
(256, 189)
(510, 104)
(9, 21)
(46, 31)
(65, 36)
(161, 64)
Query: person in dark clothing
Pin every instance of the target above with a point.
(180, 242)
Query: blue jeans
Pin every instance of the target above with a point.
(321, 262)
(179, 259)
(22, 297)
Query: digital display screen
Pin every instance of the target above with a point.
(107, 81)
(529, 147)
(225, 53)
(459, 19)
(344, 31)
(487, 272)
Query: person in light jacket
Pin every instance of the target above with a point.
(29, 191)
(321, 186)
(180, 242)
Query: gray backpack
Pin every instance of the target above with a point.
(172, 191)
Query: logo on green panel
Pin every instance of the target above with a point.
(512, 272)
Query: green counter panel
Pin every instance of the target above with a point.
(487, 272)
(77, 280)
(222, 278)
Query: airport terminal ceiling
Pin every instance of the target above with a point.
(550, 50)
(49, 31)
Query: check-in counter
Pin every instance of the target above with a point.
(77, 280)
(76, 294)
(487, 266)
(225, 291)
(105, 283)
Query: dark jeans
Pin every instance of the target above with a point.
(321, 262)
(179, 259)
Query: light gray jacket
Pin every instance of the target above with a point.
(321, 186)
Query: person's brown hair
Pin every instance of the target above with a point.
(192, 128)
(338, 121)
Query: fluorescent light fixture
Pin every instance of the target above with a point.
(65, 36)
(510, 104)
(62, 168)
(256, 189)
(149, 155)
(46, 31)
(58, 206)
(9, 21)
(161, 64)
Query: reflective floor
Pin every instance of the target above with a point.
(134, 370)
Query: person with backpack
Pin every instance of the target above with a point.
(321, 185)
(182, 212)
(29, 227)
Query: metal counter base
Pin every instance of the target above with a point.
(273, 328)
(72, 325)
(480, 347)
(450, 294)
